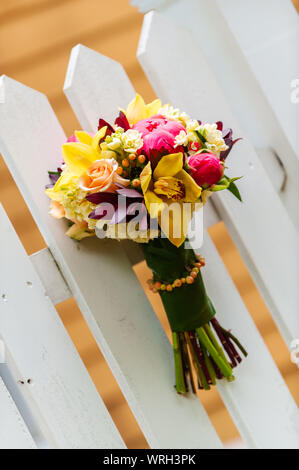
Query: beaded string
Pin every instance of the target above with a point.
(156, 286)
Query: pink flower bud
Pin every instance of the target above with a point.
(205, 168)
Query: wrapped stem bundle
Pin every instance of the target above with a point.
(197, 336)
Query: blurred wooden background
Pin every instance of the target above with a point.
(36, 37)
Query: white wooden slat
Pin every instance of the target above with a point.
(102, 281)
(260, 225)
(87, 95)
(55, 286)
(61, 395)
(14, 433)
(243, 398)
(245, 94)
(269, 40)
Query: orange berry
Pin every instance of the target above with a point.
(196, 270)
(141, 158)
(125, 163)
(177, 283)
(197, 265)
(132, 156)
(193, 274)
(119, 170)
(163, 287)
(189, 280)
(136, 183)
(183, 280)
(169, 287)
(157, 285)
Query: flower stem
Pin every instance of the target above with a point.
(209, 366)
(226, 343)
(200, 357)
(179, 371)
(236, 341)
(223, 365)
(200, 374)
(214, 341)
(186, 361)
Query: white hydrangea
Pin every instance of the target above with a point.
(173, 113)
(131, 140)
(115, 144)
(76, 206)
(192, 125)
(213, 136)
(181, 139)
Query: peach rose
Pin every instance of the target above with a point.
(101, 176)
(56, 210)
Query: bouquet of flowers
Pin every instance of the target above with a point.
(143, 178)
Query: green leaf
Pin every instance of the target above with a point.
(236, 178)
(219, 187)
(201, 137)
(234, 190)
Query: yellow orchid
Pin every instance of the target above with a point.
(78, 156)
(137, 109)
(165, 191)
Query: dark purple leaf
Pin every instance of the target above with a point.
(129, 193)
(103, 123)
(103, 211)
(98, 198)
(230, 143)
(122, 121)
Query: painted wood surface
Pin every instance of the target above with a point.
(63, 401)
(209, 23)
(101, 279)
(14, 433)
(260, 226)
(242, 398)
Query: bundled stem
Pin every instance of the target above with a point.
(207, 356)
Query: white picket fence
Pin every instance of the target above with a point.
(47, 396)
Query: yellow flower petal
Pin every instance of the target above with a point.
(54, 195)
(153, 108)
(97, 137)
(83, 137)
(192, 190)
(78, 233)
(136, 110)
(169, 165)
(145, 177)
(78, 157)
(65, 178)
(174, 221)
(153, 203)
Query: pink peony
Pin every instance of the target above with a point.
(158, 134)
(205, 168)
